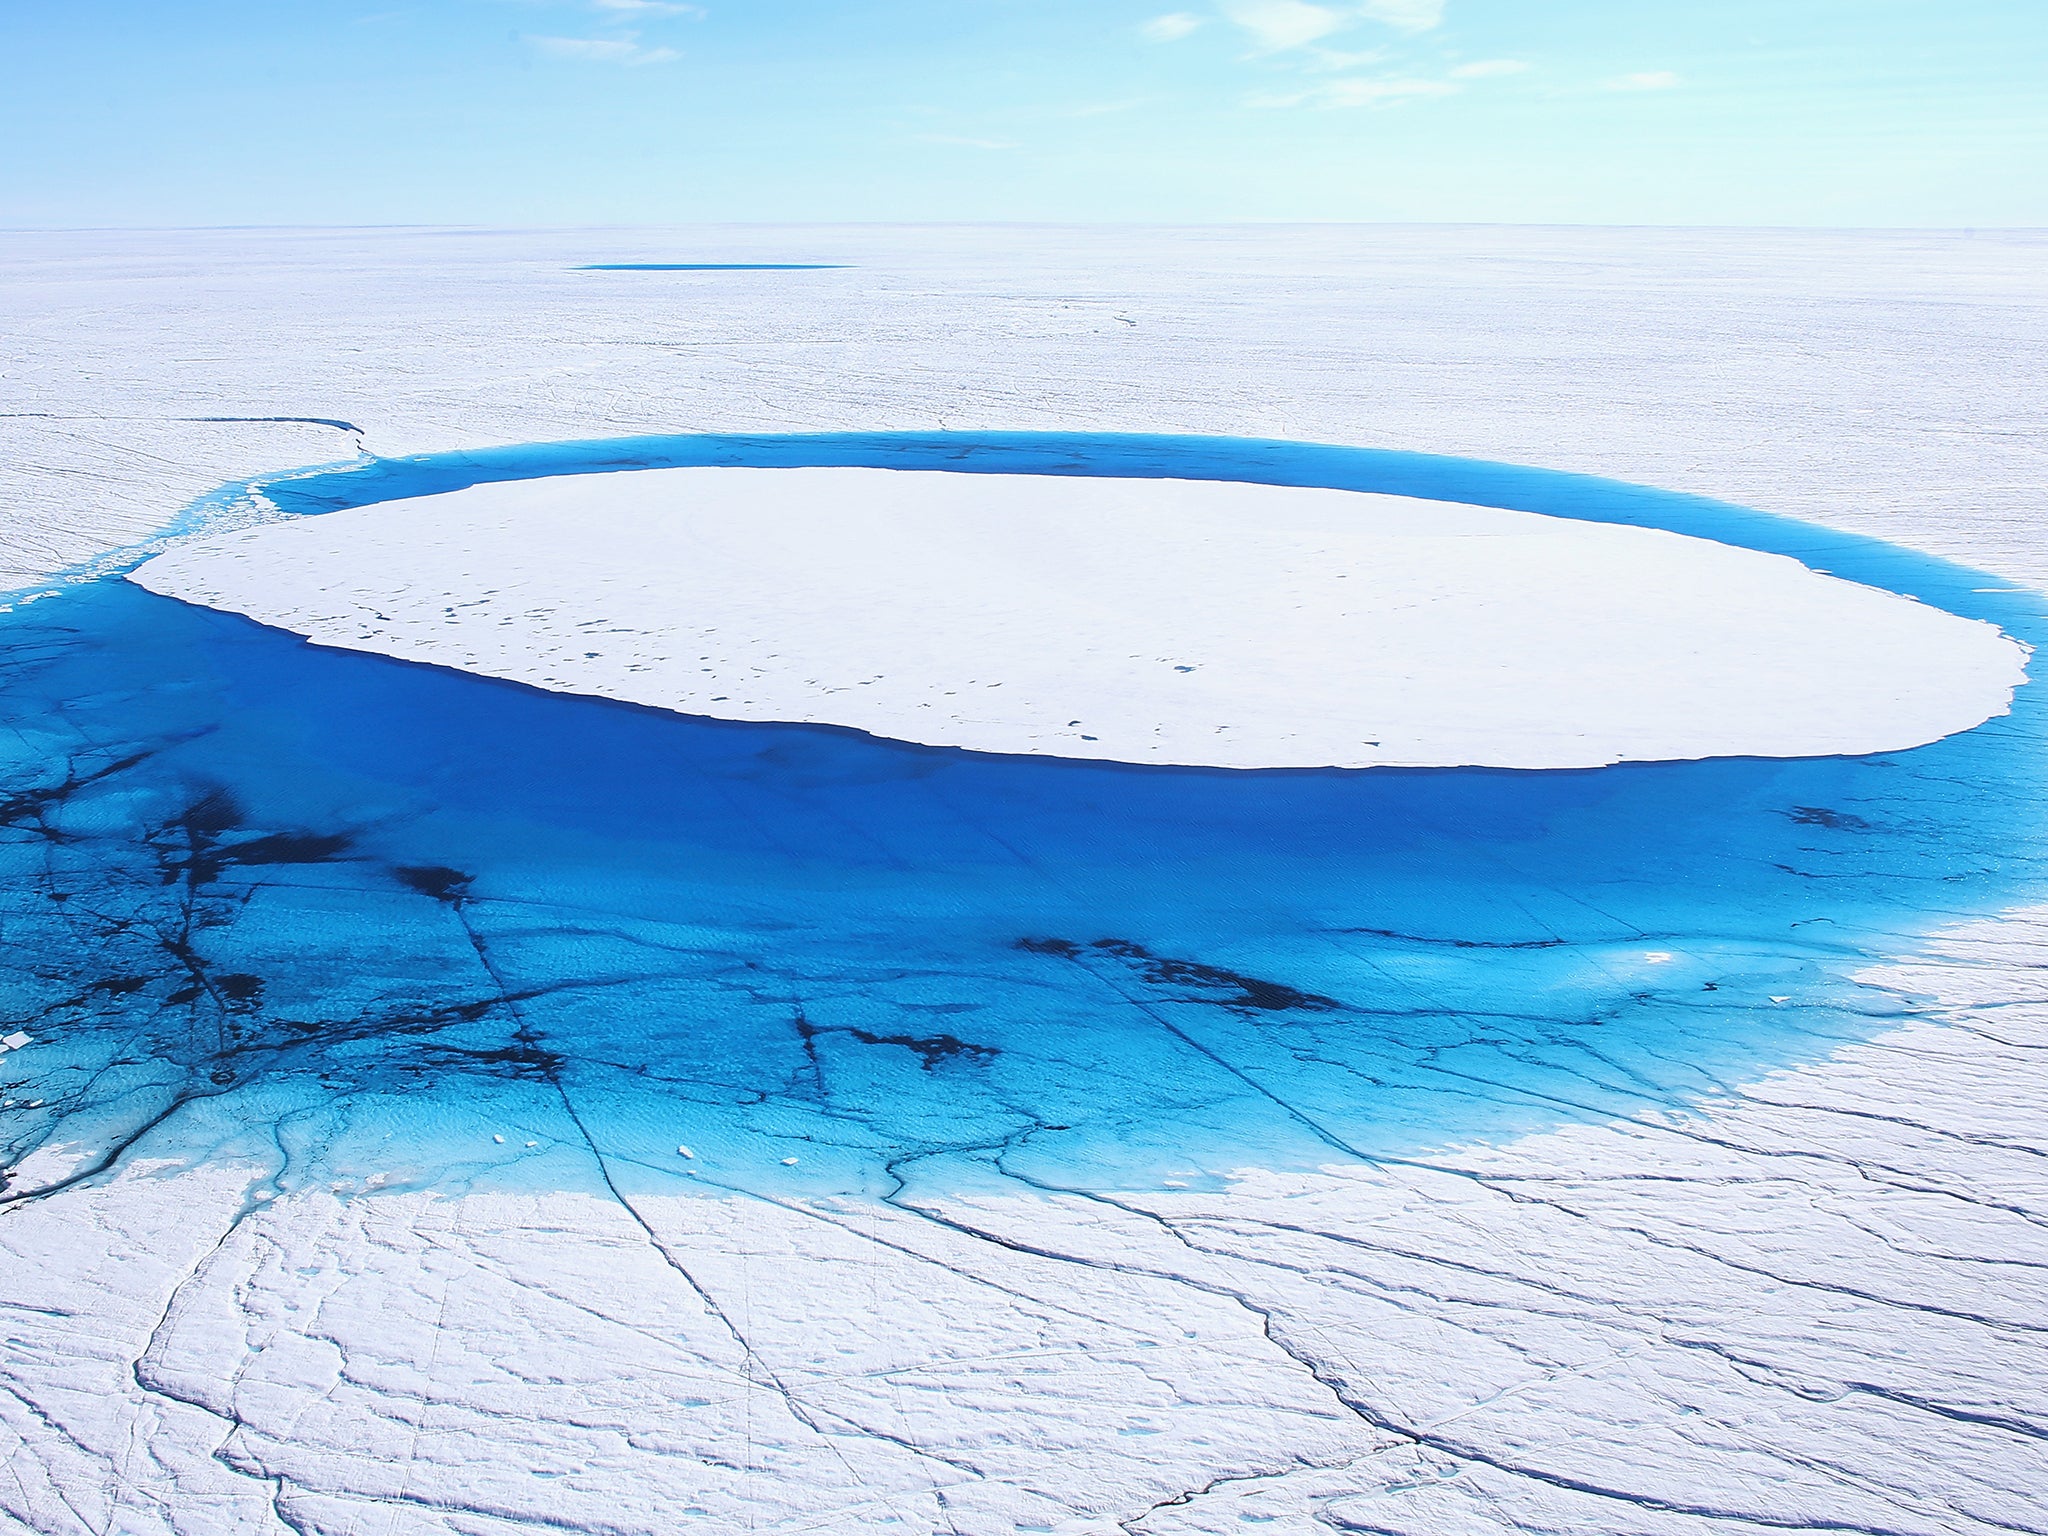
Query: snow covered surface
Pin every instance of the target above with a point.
(1883, 382)
(1145, 621)
(1814, 1304)
(1818, 1305)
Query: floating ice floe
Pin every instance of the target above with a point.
(1136, 620)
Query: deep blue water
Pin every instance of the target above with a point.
(359, 917)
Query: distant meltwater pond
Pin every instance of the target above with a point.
(376, 925)
(713, 266)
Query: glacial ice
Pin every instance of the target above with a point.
(1776, 1267)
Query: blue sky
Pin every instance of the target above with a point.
(1817, 112)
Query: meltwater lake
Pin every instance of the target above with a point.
(366, 924)
(711, 266)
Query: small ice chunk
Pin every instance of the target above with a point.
(684, 1152)
(499, 1140)
(15, 1041)
(789, 1162)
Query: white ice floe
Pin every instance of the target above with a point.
(1144, 621)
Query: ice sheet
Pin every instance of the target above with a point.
(1813, 1303)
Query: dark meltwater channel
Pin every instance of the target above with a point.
(358, 919)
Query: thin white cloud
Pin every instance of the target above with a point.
(1405, 15)
(1357, 93)
(1276, 25)
(646, 8)
(1336, 59)
(1279, 25)
(1381, 93)
(606, 48)
(1646, 80)
(1488, 69)
(1171, 27)
(956, 141)
(601, 50)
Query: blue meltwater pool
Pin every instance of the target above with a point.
(376, 925)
